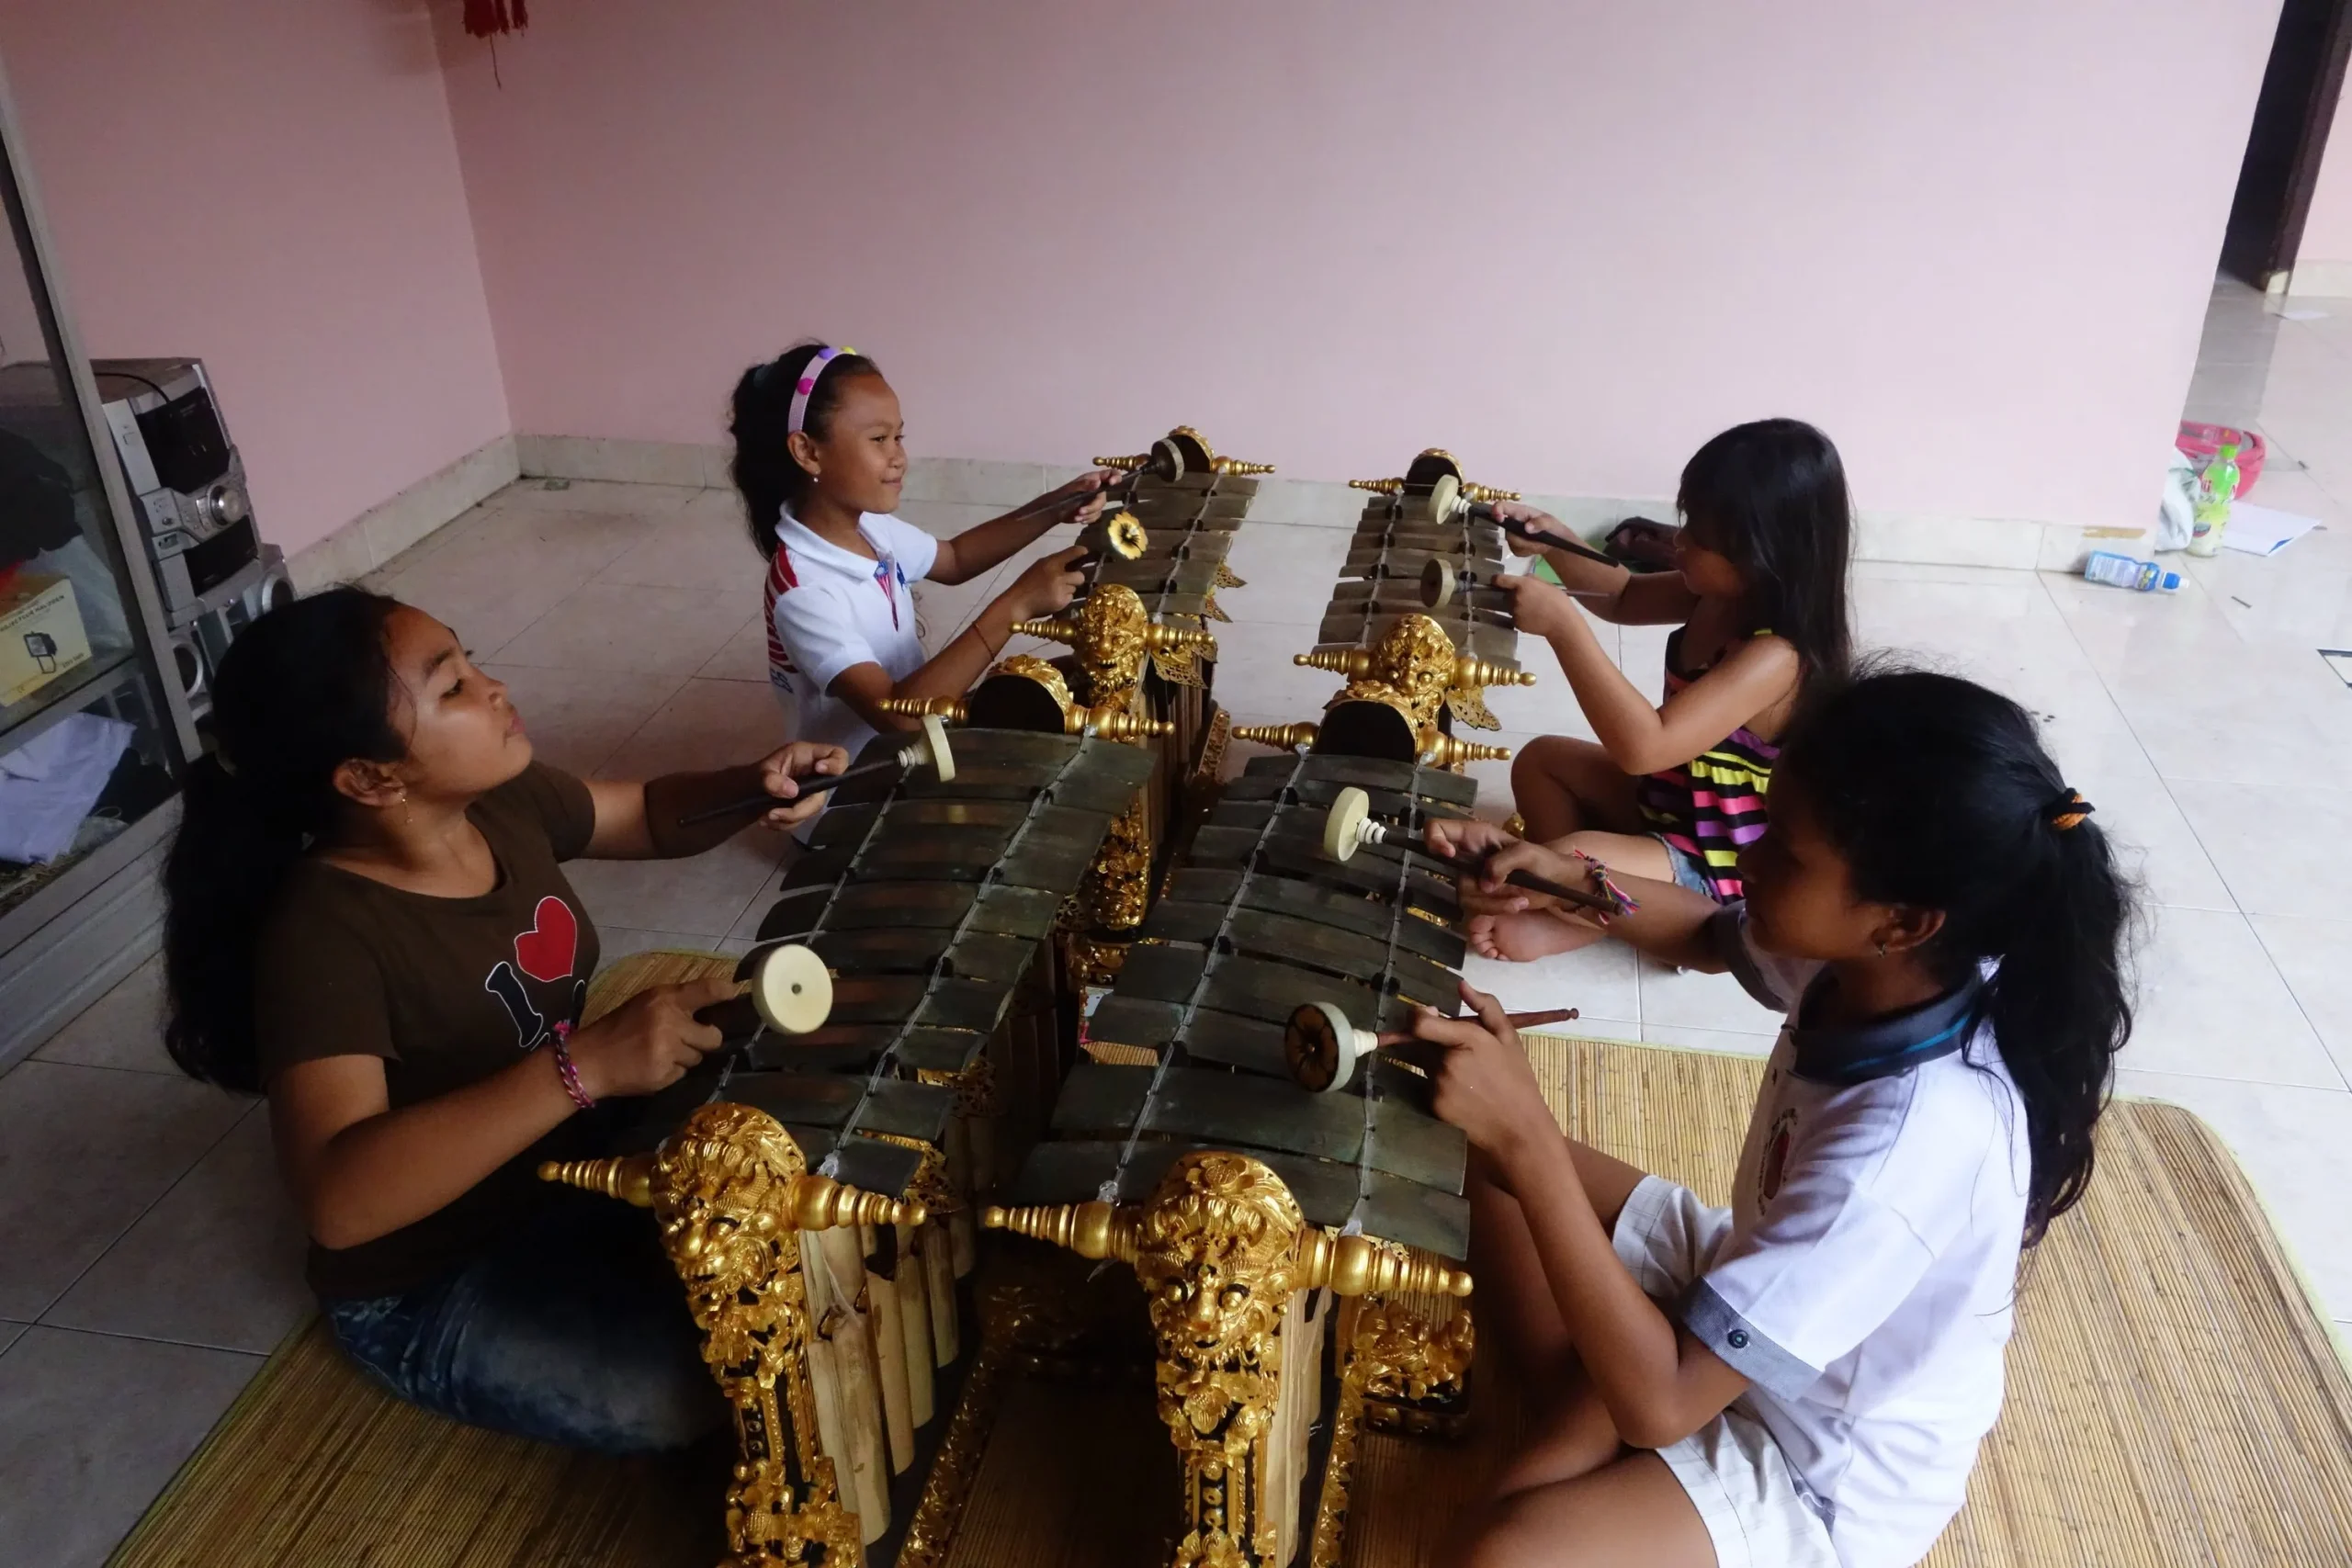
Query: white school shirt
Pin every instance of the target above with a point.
(1866, 1286)
(830, 608)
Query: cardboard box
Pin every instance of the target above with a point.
(41, 636)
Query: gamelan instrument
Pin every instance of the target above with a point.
(794, 1173)
(910, 1013)
(1298, 1243)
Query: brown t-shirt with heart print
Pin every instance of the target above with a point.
(446, 991)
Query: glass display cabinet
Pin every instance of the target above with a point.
(94, 729)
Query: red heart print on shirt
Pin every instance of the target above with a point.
(545, 950)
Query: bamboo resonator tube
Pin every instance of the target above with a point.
(813, 1202)
(1348, 1265)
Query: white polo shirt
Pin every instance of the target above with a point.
(1865, 1286)
(830, 608)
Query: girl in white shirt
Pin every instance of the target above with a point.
(1805, 1378)
(821, 458)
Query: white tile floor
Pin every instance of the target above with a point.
(152, 1257)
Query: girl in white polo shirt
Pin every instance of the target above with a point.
(819, 459)
(1805, 1378)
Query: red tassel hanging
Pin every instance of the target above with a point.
(488, 18)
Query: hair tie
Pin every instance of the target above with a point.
(809, 373)
(2066, 810)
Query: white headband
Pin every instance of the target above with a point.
(807, 385)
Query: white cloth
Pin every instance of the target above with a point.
(49, 785)
(1755, 1510)
(1863, 1282)
(829, 609)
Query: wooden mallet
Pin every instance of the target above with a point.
(1321, 1046)
(1349, 827)
(928, 749)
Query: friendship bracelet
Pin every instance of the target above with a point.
(560, 1040)
(1602, 880)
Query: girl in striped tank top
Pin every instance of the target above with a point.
(1671, 792)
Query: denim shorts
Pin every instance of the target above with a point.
(575, 1331)
(1690, 870)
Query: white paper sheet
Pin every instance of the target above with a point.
(2259, 531)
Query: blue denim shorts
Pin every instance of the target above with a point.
(1690, 870)
(575, 1331)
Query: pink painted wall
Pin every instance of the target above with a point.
(1567, 239)
(272, 184)
(2327, 230)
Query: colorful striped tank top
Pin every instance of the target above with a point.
(1712, 805)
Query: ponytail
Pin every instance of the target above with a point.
(304, 689)
(766, 476)
(1939, 795)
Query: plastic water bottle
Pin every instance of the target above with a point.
(2216, 488)
(2123, 571)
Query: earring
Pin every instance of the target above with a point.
(1881, 947)
(407, 819)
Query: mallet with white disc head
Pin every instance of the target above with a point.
(1484, 512)
(791, 992)
(1349, 827)
(928, 749)
(1321, 1046)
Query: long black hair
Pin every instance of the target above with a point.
(1938, 794)
(764, 473)
(1770, 496)
(304, 689)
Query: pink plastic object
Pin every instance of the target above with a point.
(2204, 440)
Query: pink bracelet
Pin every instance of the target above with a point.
(561, 1041)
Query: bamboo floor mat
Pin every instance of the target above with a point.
(2173, 1398)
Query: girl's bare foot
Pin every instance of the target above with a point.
(1531, 934)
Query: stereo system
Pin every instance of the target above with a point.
(187, 487)
(187, 482)
(227, 609)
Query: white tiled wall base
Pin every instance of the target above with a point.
(951, 482)
(375, 536)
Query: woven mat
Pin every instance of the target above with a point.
(2173, 1398)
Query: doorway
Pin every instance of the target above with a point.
(2300, 90)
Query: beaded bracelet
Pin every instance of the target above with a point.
(561, 1041)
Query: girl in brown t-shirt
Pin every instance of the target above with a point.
(369, 921)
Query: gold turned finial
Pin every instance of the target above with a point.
(1473, 671)
(924, 707)
(628, 1177)
(1096, 1230)
(1235, 466)
(1382, 487)
(1116, 724)
(820, 1203)
(1129, 463)
(1362, 1266)
(1440, 750)
(1289, 737)
(1487, 492)
(1052, 628)
(1355, 663)
(1350, 1265)
(812, 1203)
